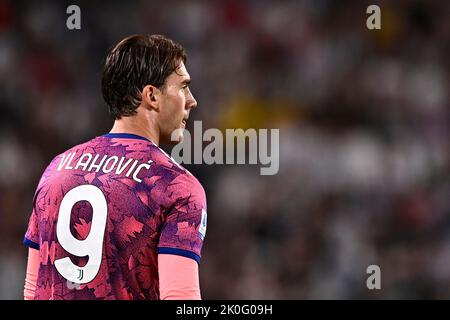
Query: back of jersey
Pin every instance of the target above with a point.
(102, 212)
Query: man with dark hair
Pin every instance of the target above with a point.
(116, 217)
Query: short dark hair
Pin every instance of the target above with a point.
(135, 62)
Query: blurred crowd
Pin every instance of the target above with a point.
(363, 115)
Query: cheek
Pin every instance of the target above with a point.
(172, 113)
(175, 103)
(181, 100)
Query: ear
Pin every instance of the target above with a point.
(151, 97)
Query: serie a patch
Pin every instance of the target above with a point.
(202, 227)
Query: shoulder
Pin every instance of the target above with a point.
(59, 159)
(88, 145)
(179, 182)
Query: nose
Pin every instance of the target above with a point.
(191, 103)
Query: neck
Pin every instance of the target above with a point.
(138, 125)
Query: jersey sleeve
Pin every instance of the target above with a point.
(184, 226)
(31, 238)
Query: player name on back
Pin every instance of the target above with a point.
(87, 162)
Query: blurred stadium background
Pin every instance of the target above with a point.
(364, 135)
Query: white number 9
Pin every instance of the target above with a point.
(92, 246)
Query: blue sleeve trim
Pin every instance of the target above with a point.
(179, 252)
(30, 244)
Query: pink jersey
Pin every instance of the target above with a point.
(102, 212)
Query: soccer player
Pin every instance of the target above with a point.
(116, 217)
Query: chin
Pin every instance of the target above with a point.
(180, 139)
(176, 136)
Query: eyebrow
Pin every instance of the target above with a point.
(186, 81)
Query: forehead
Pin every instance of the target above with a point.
(180, 74)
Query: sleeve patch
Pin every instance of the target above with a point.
(202, 226)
